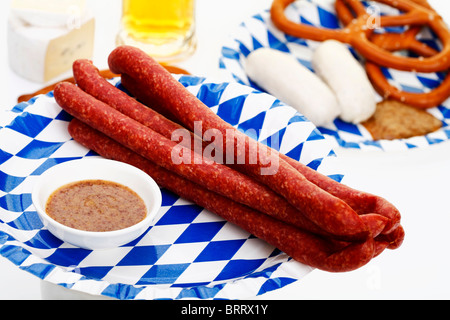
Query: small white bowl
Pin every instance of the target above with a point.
(96, 168)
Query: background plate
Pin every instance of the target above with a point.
(259, 31)
(176, 258)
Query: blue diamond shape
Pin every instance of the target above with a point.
(163, 274)
(8, 182)
(27, 221)
(15, 202)
(44, 240)
(210, 93)
(180, 214)
(143, 255)
(231, 110)
(21, 124)
(252, 127)
(39, 149)
(4, 156)
(68, 256)
(328, 19)
(200, 232)
(239, 268)
(220, 250)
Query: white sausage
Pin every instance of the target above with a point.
(281, 75)
(335, 64)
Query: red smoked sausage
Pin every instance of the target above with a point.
(302, 246)
(363, 203)
(325, 210)
(213, 176)
(89, 79)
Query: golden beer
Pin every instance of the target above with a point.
(164, 29)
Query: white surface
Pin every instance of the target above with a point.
(415, 181)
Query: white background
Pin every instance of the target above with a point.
(416, 181)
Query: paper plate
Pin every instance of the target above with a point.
(189, 253)
(259, 31)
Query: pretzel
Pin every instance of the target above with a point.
(394, 42)
(359, 32)
(391, 41)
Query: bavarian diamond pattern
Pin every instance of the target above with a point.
(259, 31)
(189, 252)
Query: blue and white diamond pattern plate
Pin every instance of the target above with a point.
(259, 31)
(189, 253)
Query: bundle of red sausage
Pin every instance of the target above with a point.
(312, 218)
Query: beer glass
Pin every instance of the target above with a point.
(165, 29)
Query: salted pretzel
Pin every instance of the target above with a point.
(359, 31)
(395, 42)
(391, 41)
